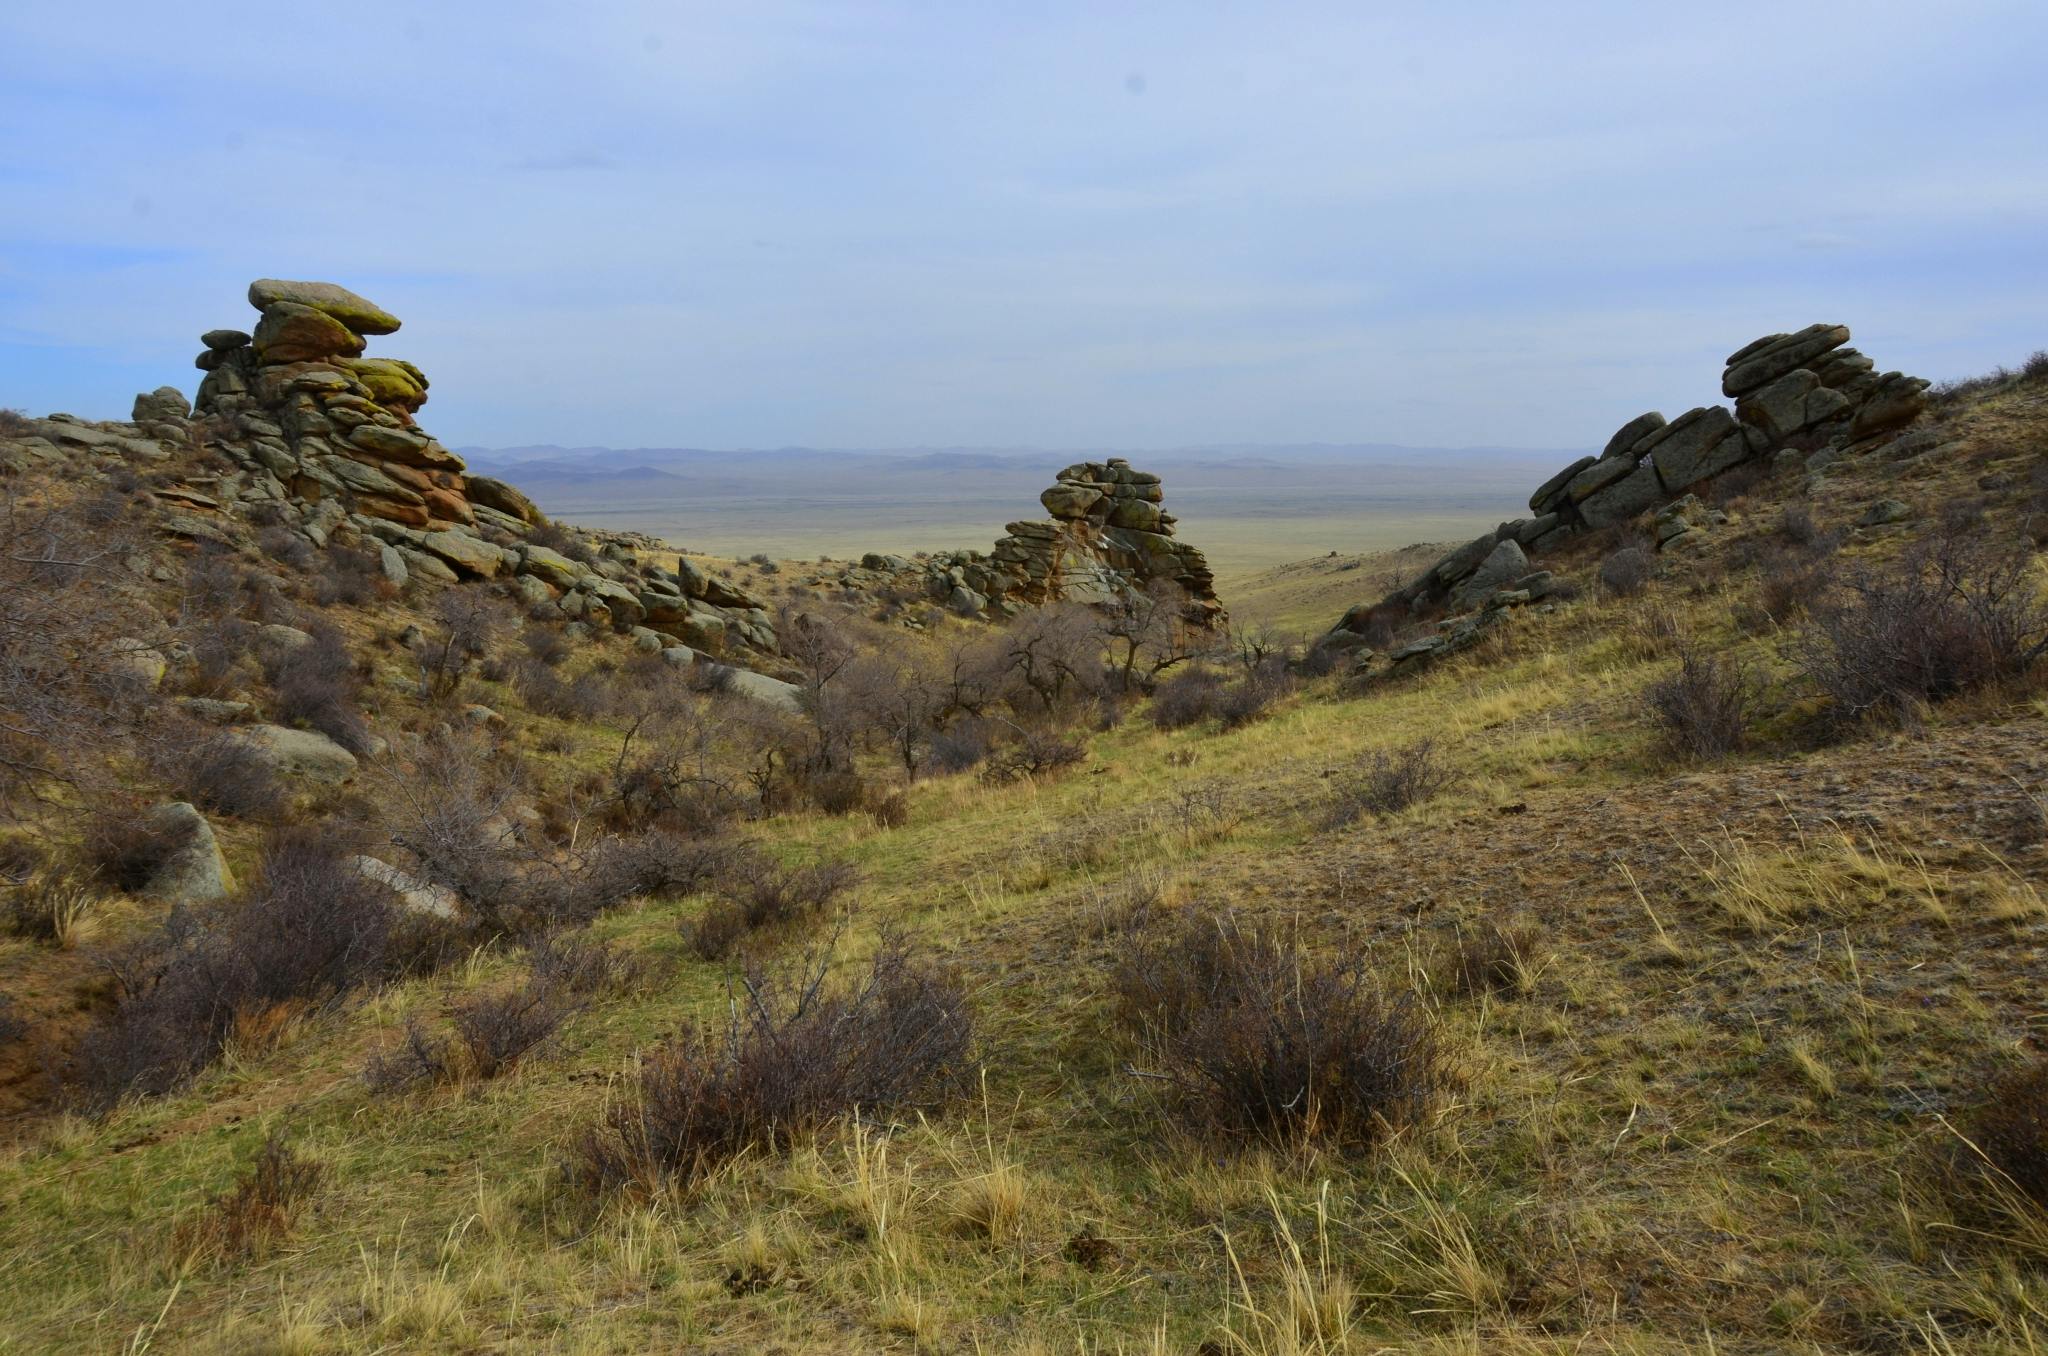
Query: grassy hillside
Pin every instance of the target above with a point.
(1715, 1033)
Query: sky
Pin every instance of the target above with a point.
(1033, 223)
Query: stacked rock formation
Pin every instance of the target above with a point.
(1795, 395)
(324, 441)
(1107, 538)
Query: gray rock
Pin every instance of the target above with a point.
(1534, 528)
(224, 341)
(965, 601)
(437, 901)
(427, 568)
(194, 871)
(137, 662)
(1767, 360)
(646, 641)
(393, 566)
(1699, 443)
(275, 639)
(1598, 477)
(301, 755)
(165, 402)
(681, 656)
(1502, 566)
(1884, 511)
(1634, 431)
(761, 688)
(1540, 502)
(1624, 499)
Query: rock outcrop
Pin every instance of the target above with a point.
(1107, 537)
(325, 441)
(1803, 397)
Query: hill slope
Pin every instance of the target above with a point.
(1711, 1100)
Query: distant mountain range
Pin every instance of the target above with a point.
(803, 500)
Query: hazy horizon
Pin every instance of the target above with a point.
(882, 224)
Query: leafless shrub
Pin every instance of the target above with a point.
(1257, 1038)
(1949, 617)
(223, 773)
(1393, 780)
(286, 547)
(960, 746)
(587, 697)
(497, 1030)
(577, 966)
(260, 1210)
(1188, 698)
(15, 424)
(319, 687)
(796, 1053)
(1703, 709)
(1626, 572)
(467, 623)
(759, 894)
(311, 931)
(1788, 580)
(64, 696)
(420, 1057)
(1034, 754)
(123, 845)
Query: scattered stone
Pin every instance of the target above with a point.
(1883, 512)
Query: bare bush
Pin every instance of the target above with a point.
(1703, 709)
(353, 576)
(318, 686)
(261, 1209)
(1257, 1038)
(797, 1052)
(759, 894)
(467, 623)
(1033, 755)
(1394, 780)
(311, 931)
(65, 696)
(124, 844)
(497, 1030)
(223, 773)
(1627, 571)
(1187, 698)
(1948, 618)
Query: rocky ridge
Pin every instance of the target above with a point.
(313, 435)
(1107, 537)
(1802, 401)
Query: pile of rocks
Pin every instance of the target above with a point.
(1107, 537)
(1802, 397)
(324, 441)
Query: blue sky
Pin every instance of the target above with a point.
(1052, 224)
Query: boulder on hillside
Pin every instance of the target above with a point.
(192, 871)
(299, 755)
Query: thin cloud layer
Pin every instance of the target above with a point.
(897, 224)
